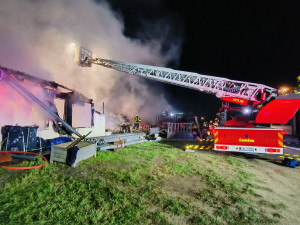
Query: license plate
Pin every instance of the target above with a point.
(246, 149)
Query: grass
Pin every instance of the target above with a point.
(175, 207)
(180, 168)
(150, 183)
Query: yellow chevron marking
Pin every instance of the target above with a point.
(280, 135)
(280, 143)
(217, 133)
(201, 147)
(216, 140)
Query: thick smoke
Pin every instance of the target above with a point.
(36, 36)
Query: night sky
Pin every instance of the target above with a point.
(254, 41)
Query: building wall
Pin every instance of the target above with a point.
(97, 130)
(17, 109)
(82, 116)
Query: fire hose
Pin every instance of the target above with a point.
(26, 167)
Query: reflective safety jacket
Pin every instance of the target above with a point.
(136, 119)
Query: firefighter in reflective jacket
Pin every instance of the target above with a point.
(136, 123)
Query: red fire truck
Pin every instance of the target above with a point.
(260, 104)
(249, 140)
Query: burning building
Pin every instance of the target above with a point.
(30, 101)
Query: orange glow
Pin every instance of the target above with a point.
(284, 90)
(16, 108)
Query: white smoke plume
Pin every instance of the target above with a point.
(36, 36)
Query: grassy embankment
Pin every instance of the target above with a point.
(151, 183)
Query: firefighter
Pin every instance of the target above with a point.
(136, 123)
(216, 123)
(211, 124)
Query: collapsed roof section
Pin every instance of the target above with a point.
(53, 91)
(62, 91)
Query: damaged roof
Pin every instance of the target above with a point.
(64, 92)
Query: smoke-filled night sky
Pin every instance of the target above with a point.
(36, 37)
(253, 41)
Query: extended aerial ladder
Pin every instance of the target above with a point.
(230, 91)
(239, 92)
